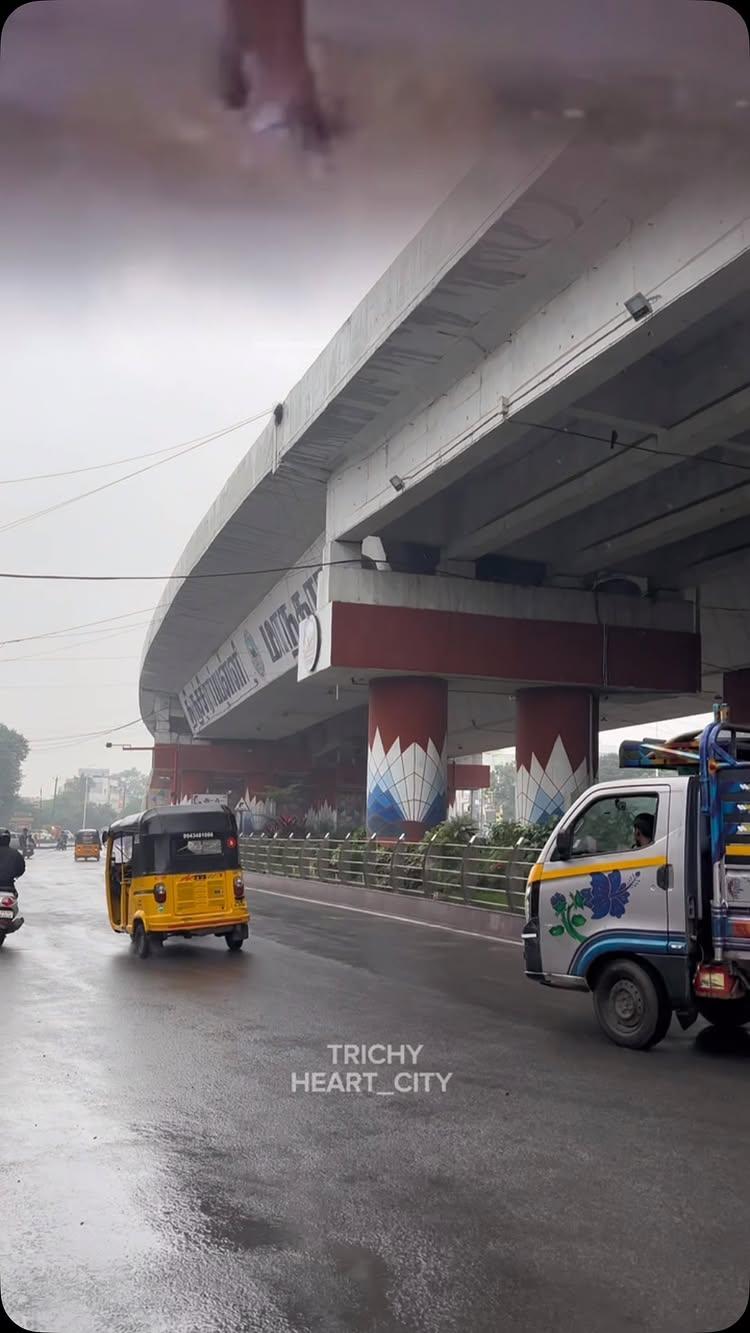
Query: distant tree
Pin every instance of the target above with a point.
(14, 749)
(66, 809)
(504, 789)
(135, 786)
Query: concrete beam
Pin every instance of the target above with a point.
(703, 571)
(662, 531)
(616, 472)
(611, 422)
(692, 256)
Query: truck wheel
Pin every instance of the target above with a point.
(725, 1013)
(141, 942)
(630, 1005)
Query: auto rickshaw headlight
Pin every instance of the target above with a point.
(160, 893)
(239, 887)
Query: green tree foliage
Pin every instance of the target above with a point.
(504, 789)
(14, 749)
(66, 809)
(459, 829)
(135, 785)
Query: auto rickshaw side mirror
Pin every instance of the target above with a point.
(564, 844)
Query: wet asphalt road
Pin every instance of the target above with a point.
(160, 1174)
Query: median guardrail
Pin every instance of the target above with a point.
(476, 874)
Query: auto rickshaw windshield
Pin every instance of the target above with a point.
(203, 851)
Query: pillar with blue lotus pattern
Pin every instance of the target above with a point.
(407, 768)
(557, 751)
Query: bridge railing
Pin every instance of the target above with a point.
(477, 873)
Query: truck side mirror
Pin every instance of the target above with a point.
(564, 844)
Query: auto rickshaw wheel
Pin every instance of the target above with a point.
(233, 943)
(141, 942)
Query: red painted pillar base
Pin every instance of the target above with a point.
(557, 751)
(407, 770)
(736, 689)
(163, 783)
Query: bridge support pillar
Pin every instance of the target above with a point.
(557, 750)
(407, 770)
(736, 689)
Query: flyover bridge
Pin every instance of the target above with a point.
(508, 502)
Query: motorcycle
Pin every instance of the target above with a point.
(10, 921)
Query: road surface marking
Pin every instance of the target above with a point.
(387, 916)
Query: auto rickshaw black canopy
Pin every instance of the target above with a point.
(176, 819)
(180, 839)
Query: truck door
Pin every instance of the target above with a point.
(608, 892)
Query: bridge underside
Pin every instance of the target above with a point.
(527, 502)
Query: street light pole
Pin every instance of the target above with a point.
(85, 800)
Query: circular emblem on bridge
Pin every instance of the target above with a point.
(309, 643)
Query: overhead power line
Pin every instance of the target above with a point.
(48, 744)
(614, 442)
(184, 578)
(71, 629)
(134, 458)
(107, 485)
(65, 652)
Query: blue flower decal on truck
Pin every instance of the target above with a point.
(608, 894)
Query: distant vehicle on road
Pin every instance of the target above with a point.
(87, 845)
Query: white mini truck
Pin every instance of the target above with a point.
(641, 894)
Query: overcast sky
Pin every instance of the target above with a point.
(164, 277)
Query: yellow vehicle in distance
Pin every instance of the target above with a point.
(87, 846)
(176, 872)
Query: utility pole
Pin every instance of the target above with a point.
(85, 800)
(54, 802)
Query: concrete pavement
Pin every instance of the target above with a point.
(161, 1174)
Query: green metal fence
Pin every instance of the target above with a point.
(475, 873)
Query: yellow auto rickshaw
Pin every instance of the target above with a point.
(87, 846)
(176, 871)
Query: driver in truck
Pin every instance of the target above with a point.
(643, 830)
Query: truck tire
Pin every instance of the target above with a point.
(630, 1005)
(725, 1013)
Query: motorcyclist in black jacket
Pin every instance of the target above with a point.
(12, 864)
